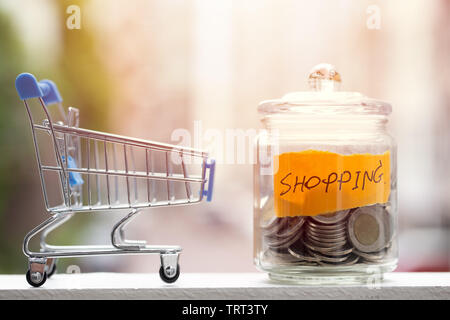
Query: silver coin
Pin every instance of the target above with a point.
(332, 218)
(374, 260)
(371, 256)
(293, 226)
(288, 259)
(326, 245)
(329, 232)
(367, 261)
(327, 235)
(325, 227)
(326, 239)
(274, 226)
(291, 241)
(321, 249)
(349, 262)
(369, 229)
(278, 258)
(321, 226)
(283, 242)
(377, 261)
(332, 253)
(341, 252)
(325, 258)
(302, 256)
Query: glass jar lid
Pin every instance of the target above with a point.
(324, 96)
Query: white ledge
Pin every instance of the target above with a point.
(192, 286)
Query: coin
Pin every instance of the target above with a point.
(336, 226)
(326, 258)
(293, 226)
(283, 242)
(337, 230)
(332, 218)
(274, 226)
(369, 229)
(343, 238)
(341, 252)
(326, 245)
(324, 250)
(301, 256)
(350, 261)
(278, 258)
(326, 235)
(327, 240)
(370, 256)
(375, 257)
(333, 253)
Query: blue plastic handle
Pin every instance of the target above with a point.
(211, 165)
(53, 95)
(75, 178)
(28, 87)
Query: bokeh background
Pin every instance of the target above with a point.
(145, 68)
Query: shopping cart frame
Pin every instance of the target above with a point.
(65, 139)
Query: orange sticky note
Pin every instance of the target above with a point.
(313, 182)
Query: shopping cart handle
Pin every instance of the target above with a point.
(53, 95)
(28, 87)
(211, 165)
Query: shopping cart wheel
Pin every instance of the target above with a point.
(169, 278)
(36, 279)
(52, 268)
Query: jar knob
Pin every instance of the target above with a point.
(324, 77)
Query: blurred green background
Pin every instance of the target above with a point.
(83, 80)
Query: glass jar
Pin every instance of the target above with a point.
(325, 208)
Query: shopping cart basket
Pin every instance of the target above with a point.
(88, 171)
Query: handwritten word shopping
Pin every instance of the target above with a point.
(359, 179)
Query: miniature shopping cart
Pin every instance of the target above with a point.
(89, 171)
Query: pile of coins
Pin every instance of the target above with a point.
(347, 237)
